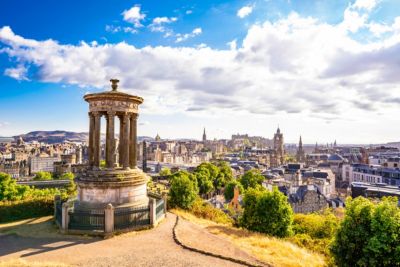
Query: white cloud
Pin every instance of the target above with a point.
(244, 11)
(232, 44)
(296, 65)
(4, 124)
(113, 29)
(158, 24)
(19, 73)
(366, 4)
(183, 37)
(134, 16)
(188, 12)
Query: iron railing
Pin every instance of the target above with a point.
(131, 218)
(86, 220)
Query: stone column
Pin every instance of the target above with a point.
(109, 219)
(125, 143)
(65, 217)
(110, 140)
(153, 207)
(121, 134)
(96, 145)
(133, 141)
(91, 136)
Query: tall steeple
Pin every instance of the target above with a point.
(300, 156)
(204, 135)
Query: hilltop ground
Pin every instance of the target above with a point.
(36, 242)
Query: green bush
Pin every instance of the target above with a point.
(252, 179)
(183, 190)
(369, 235)
(10, 190)
(165, 171)
(267, 212)
(25, 209)
(230, 187)
(207, 211)
(42, 176)
(316, 225)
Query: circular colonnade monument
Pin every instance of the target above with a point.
(120, 182)
(114, 197)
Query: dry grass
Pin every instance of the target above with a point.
(23, 263)
(274, 251)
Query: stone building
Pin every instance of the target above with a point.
(42, 162)
(307, 199)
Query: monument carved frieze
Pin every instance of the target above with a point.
(113, 105)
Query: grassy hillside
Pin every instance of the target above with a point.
(274, 251)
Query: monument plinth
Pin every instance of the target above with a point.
(120, 182)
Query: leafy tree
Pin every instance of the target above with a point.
(267, 212)
(230, 187)
(71, 187)
(203, 177)
(383, 248)
(224, 176)
(165, 171)
(10, 190)
(183, 190)
(42, 176)
(353, 234)
(67, 176)
(251, 179)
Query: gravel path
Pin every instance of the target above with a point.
(153, 247)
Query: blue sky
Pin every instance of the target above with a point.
(317, 68)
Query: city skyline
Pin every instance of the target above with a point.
(220, 66)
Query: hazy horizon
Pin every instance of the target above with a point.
(326, 71)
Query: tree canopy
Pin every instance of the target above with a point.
(183, 191)
(230, 187)
(165, 171)
(251, 179)
(267, 212)
(42, 176)
(369, 235)
(10, 190)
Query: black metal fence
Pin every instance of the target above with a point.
(86, 220)
(159, 208)
(130, 218)
(58, 214)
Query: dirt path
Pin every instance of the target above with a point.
(146, 248)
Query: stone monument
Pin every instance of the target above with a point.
(119, 182)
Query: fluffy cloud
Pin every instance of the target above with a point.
(296, 65)
(183, 37)
(134, 16)
(244, 11)
(158, 24)
(18, 73)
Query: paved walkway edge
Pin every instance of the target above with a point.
(177, 241)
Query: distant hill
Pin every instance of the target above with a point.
(53, 137)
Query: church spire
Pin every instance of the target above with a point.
(204, 135)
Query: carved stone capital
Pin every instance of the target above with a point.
(96, 113)
(134, 116)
